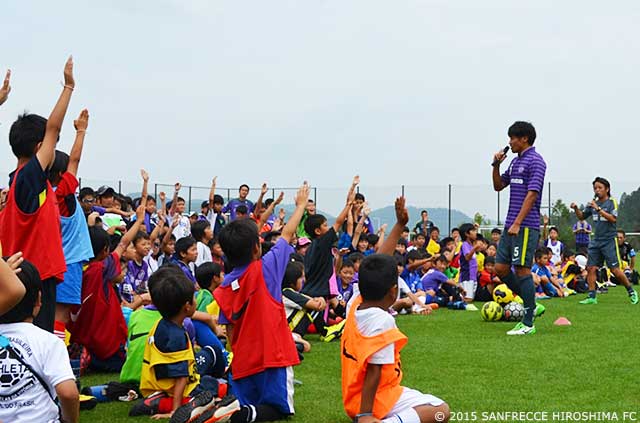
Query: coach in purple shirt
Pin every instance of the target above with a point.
(525, 177)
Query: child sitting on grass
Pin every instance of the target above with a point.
(371, 344)
(300, 309)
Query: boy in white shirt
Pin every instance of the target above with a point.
(35, 364)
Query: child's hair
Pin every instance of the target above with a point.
(243, 186)
(268, 202)
(312, 223)
(540, 252)
(567, 253)
(356, 257)
(180, 199)
(442, 259)
(292, 274)
(30, 278)
(198, 228)
(435, 229)
(217, 199)
(523, 129)
(205, 273)
(238, 240)
(378, 274)
(465, 229)
(359, 196)
(298, 258)
(183, 245)
(170, 290)
(414, 255)
(269, 236)
(402, 241)
(347, 263)
(554, 228)
(59, 166)
(445, 241)
(400, 260)
(99, 240)
(489, 260)
(242, 209)
(373, 239)
(25, 134)
(85, 192)
(420, 235)
(140, 236)
(496, 231)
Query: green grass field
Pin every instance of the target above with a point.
(591, 366)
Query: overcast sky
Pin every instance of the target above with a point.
(413, 92)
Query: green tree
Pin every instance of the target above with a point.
(562, 218)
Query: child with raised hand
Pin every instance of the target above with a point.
(105, 337)
(318, 262)
(31, 202)
(46, 375)
(75, 234)
(178, 205)
(250, 300)
(215, 216)
(371, 344)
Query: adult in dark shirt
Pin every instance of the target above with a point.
(424, 226)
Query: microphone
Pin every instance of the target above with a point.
(504, 151)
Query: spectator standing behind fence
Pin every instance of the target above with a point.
(232, 205)
(424, 226)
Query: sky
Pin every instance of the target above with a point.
(419, 93)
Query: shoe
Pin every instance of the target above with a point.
(471, 307)
(190, 411)
(522, 329)
(334, 332)
(610, 284)
(633, 297)
(539, 311)
(589, 300)
(541, 296)
(602, 290)
(147, 406)
(88, 402)
(222, 412)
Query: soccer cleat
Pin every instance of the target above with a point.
(147, 406)
(589, 300)
(222, 412)
(602, 290)
(87, 402)
(522, 329)
(633, 297)
(334, 332)
(539, 311)
(471, 307)
(192, 410)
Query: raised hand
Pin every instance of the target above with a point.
(6, 87)
(356, 181)
(15, 261)
(402, 215)
(366, 210)
(282, 214)
(213, 181)
(263, 190)
(545, 220)
(279, 199)
(177, 186)
(69, 82)
(302, 196)
(140, 213)
(573, 206)
(162, 196)
(82, 123)
(145, 175)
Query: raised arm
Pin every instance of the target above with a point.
(131, 233)
(351, 195)
(381, 233)
(264, 216)
(258, 206)
(6, 87)
(212, 192)
(81, 125)
(302, 197)
(545, 231)
(46, 153)
(159, 227)
(145, 186)
(402, 217)
(176, 191)
(360, 226)
(578, 212)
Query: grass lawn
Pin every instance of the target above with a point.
(589, 366)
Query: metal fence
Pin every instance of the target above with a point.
(448, 204)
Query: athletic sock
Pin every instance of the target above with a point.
(512, 282)
(592, 293)
(630, 290)
(528, 296)
(59, 330)
(405, 416)
(257, 413)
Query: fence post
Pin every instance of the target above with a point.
(273, 195)
(228, 195)
(403, 190)
(449, 230)
(550, 202)
(155, 192)
(498, 193)
(119, 187)
(190, 199)
(79, 183)
(315, 196)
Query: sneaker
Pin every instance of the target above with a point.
(539, 311)
(334, 332)
(602, 290)
(471, 307)
(522, 329)
(633, 297)
(222, 412)
(190, 411)
(589, 300)
(87, 402)
(610, 284)
(148, 406)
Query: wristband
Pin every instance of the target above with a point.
(355, 420)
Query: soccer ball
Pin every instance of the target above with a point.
(491, 311)
(513, 312)
(502, 294)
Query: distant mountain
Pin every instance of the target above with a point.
(439, 216)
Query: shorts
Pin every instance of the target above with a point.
(518, 250)
(69, 291)
(272, 386)
(470, 288)
(604, 251)
(410, 398)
